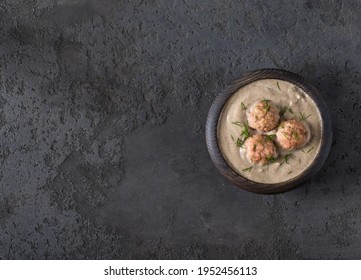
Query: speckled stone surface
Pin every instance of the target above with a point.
(102, 112)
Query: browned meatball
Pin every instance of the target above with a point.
(292, 134)
(263, 116)
(260, 149)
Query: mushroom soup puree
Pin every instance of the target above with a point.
(294, 103)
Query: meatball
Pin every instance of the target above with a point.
(263, 116)
(292, 134)
(260, 149)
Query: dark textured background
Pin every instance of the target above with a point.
(103, 107)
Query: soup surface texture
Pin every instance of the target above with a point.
(293, 103)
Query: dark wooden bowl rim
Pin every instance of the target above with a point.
(212, 123)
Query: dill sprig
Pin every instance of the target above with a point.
(245, 134)
(310, 150)
(285, 135)
(290, 110)
(240, 142)
(290, 172)
(271, 159)
(285, 158)
(245, 131)
(271, 137)
(248, 169)
(295, 134)
(278, 85)
(303, 116)
(237, 123)
(267, 105)
(244, 107)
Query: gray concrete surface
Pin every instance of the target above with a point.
(103, 107)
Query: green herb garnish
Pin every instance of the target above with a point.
(271, 137)
(303, 116)
(244, 107)
(239, 142)
(290, 172)
(285, 135)
(237, 123)
(294, 133)
(290, 110)
(254, 147)
(248, 169)
(309, 150)
(271, 159)
(245, 131)
(232, 137)
(244, 134)
(267, 106)
(285, 159)
(278, 85)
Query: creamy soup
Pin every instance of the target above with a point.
(293, 103)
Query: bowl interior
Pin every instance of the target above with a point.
(212, 138)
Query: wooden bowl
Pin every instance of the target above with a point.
(212, 139)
